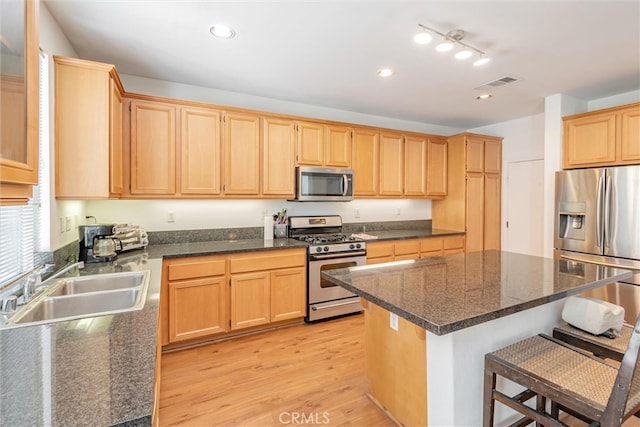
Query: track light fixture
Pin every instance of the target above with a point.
(449, 41)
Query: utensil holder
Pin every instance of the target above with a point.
(280, 231)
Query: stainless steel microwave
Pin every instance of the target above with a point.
(323, 184)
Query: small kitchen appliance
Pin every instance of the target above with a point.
(329, 248)
(97, 243)
(315, 184)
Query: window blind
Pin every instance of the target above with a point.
(24, 229)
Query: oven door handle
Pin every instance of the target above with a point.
(313, 257)
(338, 304)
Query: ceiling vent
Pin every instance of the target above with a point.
(506, 80)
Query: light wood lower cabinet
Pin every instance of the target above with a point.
(397, 250)
(208, 296)
(194, 297)
(267, 287)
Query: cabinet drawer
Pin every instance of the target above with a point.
(379, 260)
(197, 267)
(407, 247)
(431, 245)
(268, 260)
(454, 242)
(379, 250)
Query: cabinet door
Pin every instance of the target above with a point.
(630, 135)
(153, 148)
(337, 147)
(492, 219)
(242, 154)
(278, 157)
(407, 249)
(415, 166)
(475, 154)
(82, 130)
(250, 300)
(391, 167)
(475, 212)
(590, 140)
(453, 245)
(430, 247)
(197, 308)
(200, 151)
(310, 143)
(379, 252)
(288, 294)
(492, 156)
(366, 158)
(436, 167)
(116, 177)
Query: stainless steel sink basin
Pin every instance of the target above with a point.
(85, 296)
(102, 282)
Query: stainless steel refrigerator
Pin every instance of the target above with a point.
(597, 220)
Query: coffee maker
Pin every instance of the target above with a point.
(97, 243)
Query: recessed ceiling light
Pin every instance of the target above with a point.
(385, 72)
(222, 31)
(484, 96)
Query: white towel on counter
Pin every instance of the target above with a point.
(593, 315)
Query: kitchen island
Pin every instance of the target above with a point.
(468, 305)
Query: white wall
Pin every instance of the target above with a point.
(615, 100)
(54, 42)
(205, 214)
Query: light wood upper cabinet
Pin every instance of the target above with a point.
(415, 165)
(242, 154)
(492, 156)
(310, 142)
(475, 154)
(391, 164)
(19, 106)
(153, 148)
(323, 145)
(200, 151)
(629, 119)
(366, 158)
(88, 125)
(337, 146)
(278, 157)
(436, 167)
(602, 138)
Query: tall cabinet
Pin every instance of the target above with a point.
(474, 191)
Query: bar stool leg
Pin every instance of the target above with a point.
(489, 403)
(541, 406)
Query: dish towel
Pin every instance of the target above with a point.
(593, 315)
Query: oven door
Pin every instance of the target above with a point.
(321, 290)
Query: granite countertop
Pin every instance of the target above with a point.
(92, 371)
(446, 294)
(100, 370)
(382, 235)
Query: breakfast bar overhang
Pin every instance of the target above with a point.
(469, 305)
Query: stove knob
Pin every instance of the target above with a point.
(351, 246)
(318, 249)
(358, 245)
(326, 248)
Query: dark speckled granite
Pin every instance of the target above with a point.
(446, 294)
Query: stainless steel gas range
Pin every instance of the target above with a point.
(329, 248)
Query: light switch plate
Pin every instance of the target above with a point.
(393, 321)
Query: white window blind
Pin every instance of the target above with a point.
(24, 229)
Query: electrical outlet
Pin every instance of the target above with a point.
(397, 211)
(171, 216)
(67, 223)
(393, 321)
(264, 213)
(356, 213)
(61, 221)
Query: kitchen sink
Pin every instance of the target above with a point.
(101, 282)
(85, 296)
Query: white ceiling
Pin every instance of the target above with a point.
(326, 53)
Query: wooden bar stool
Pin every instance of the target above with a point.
(573, 380)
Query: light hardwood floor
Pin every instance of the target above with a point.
(300, 375)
